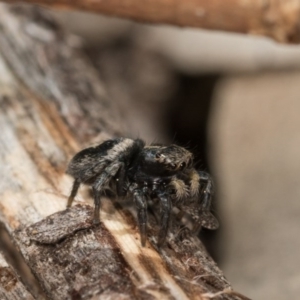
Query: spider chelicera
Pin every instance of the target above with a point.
(131, 168)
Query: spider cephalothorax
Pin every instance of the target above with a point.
(165, 173)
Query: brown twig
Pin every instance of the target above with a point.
(277, 19)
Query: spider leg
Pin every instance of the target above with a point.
(99, 183)
(120, 180)
(180, 189)
(141, 204)
(152, 211)
(74, 191)
(166, 207)
(207, 191)
(96, 218)
(205, 217)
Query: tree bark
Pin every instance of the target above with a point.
(277, 19)
(52, 103)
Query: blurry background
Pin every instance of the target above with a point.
(235, 102)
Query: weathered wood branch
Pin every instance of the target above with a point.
(51, 104)
(277, 19)
(10, 286)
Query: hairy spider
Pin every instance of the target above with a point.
(145, 172)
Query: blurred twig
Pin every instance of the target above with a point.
(277, 19)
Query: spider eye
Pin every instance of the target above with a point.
(182, 165)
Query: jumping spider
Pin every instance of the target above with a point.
(145, 172)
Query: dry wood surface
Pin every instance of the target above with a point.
(52, 103)
(10, 286)
(278, 19)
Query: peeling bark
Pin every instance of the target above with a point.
(51, 104)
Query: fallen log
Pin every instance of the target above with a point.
(52, 103)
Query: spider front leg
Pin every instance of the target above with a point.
(100, 182)
(141, 205)
(205, 218)
(96, 218)
(74, 191)
(207, 190)
(166, 207)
